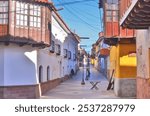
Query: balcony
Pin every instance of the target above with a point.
(25, 31)
(135, 14)
(113, 32)
(104, 52)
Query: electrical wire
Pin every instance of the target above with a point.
(84, 13)
(71, 12)
(73, 2)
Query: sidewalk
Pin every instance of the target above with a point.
(72, 88)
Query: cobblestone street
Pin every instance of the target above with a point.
(72, 88)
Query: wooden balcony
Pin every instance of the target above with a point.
(136, 15)
(3, 29)
(113, 32)
(36, 36)
(104, 52)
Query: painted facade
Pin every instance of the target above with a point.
(122, 51)
(28, 68)
(101, 54)
(138, 13)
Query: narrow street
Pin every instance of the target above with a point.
(72, 88)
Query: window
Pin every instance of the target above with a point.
(109, 19)
(28, 13)
(69, 54)
(52, 47)
(3, 12)
(21, 14)
(115, 16)
(48, 73)
(35, 16)
(74, 57)
(112, 12)
(40, 74)
(58, 51)
(112, 1)
(65, 53)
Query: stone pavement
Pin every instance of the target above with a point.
(72, 88)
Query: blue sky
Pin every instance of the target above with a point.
(82, 18)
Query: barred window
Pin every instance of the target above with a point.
(28, 13)
(3, 12)
(35, 16)
(21, 14)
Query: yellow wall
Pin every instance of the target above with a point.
(128, 70)
(113, 58)
(92, 61)
(125, 67)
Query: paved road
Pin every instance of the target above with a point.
(72, 88)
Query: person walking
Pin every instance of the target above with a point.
(87, 68)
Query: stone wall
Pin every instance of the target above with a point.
(30, 91)
(125, 87)
(46, 86)
(19, 92)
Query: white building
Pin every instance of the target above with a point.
(28, 68)
(68, 42)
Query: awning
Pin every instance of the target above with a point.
(137, 16)
(104, 52)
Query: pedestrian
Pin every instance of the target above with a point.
(88, 68)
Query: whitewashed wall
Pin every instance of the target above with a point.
(59, 66)
(62, 37)
(45, 59)
(1, 66)
(71, 46)
(20, 65)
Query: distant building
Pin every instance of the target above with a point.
(135, 15)
(101, 54)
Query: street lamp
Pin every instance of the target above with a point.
(82, 81)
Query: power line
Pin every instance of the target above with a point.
(87, 13)
(73, 2)
(92, 27)
(88, 18)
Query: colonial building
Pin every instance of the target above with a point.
(135, 14)
(101, 54)
(27, 66)
(68, 46)
(122, 50)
